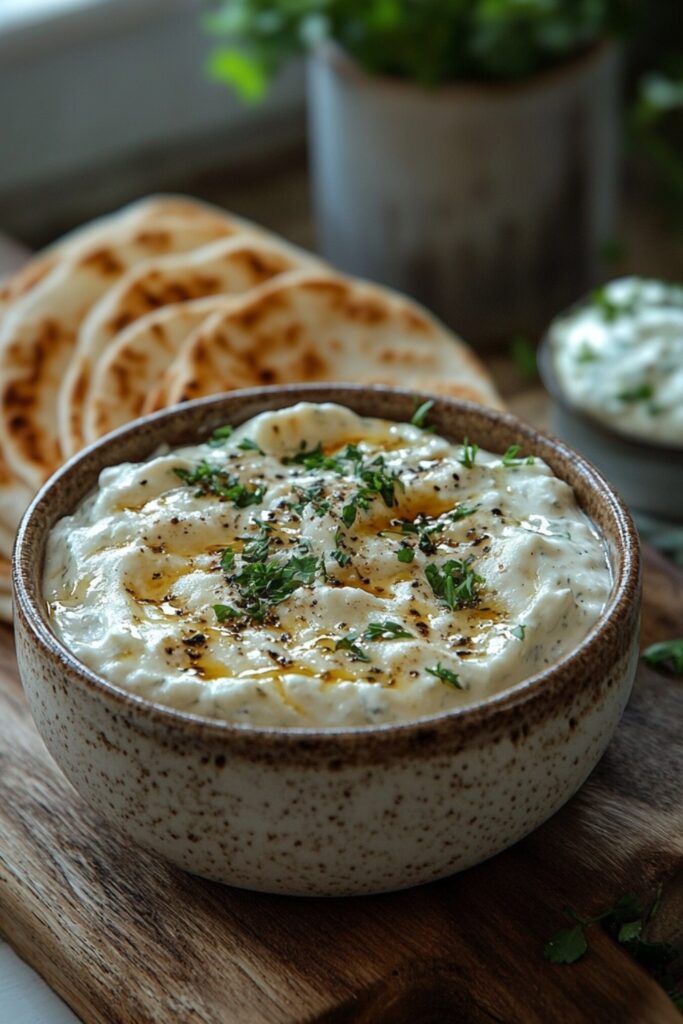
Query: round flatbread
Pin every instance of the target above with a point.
(133, 365)
(39, 330)
(314, 327)
(230, 266)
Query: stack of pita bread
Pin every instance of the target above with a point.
(170, 299)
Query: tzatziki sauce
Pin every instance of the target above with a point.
(619, 357)
(316, 569)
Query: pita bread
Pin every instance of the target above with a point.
(315, 326)
(149, 208)
(229, 266)
(39, 331)
(139, 356)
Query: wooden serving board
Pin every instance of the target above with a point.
(126, 939)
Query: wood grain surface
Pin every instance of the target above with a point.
(126, 939)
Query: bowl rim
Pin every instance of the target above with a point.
(626, 582)
(639, 447)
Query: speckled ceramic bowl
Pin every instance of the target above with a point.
(329, 813)
(649, 475)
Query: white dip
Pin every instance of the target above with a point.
(379, 579)
(619, 357)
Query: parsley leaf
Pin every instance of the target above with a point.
(216, 480)
(586, 354)
(340, 556)
(311, 496)
(257, 549)
(455, 583)
(225, 611)
(262, 584)
(406, 554)
(386, 630)
(668, 653)
(220, 436)
(348, 643)
(518, 631)
(468, 454)
(313, 458)
(446, 676)
(640, 393)
(566, 946)
(510, 458)
(228, 559)
(610, 310)
(247, 445)
(419, 416)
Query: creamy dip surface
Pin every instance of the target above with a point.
(315, 569)
(619, 357)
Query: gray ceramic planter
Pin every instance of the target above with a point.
(343, 812)
(491, 203)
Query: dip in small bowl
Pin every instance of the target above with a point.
(613, 365)
(293, 642)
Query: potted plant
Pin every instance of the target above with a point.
(465, 151)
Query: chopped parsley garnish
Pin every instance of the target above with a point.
(610, 310)
(313, 458)
(424, 530)
(339, 555)
(377, 481)
(228, 560)
(386, 630)
(586, 354)
(247, 445)
(375, 478)
(455, 583)
(668, 653)
(263, 584)
(405, 554)
(461, 511)
(220, 435)
(311, 496)
(216, 480)
(258, 548)
(419, 416)
(446, 676)
(640, 393)
(468, 454)
(225, 611)
(348, 643)
(625, 922)
(518, 631)
(511, 457)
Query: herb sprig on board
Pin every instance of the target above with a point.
(667, 654)
(625, 921)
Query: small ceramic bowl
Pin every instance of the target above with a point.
(329, 812)
(649, 475)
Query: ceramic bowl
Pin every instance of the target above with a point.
(340, 812)
(649, 475)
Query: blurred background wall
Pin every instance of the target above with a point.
(103, 100)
